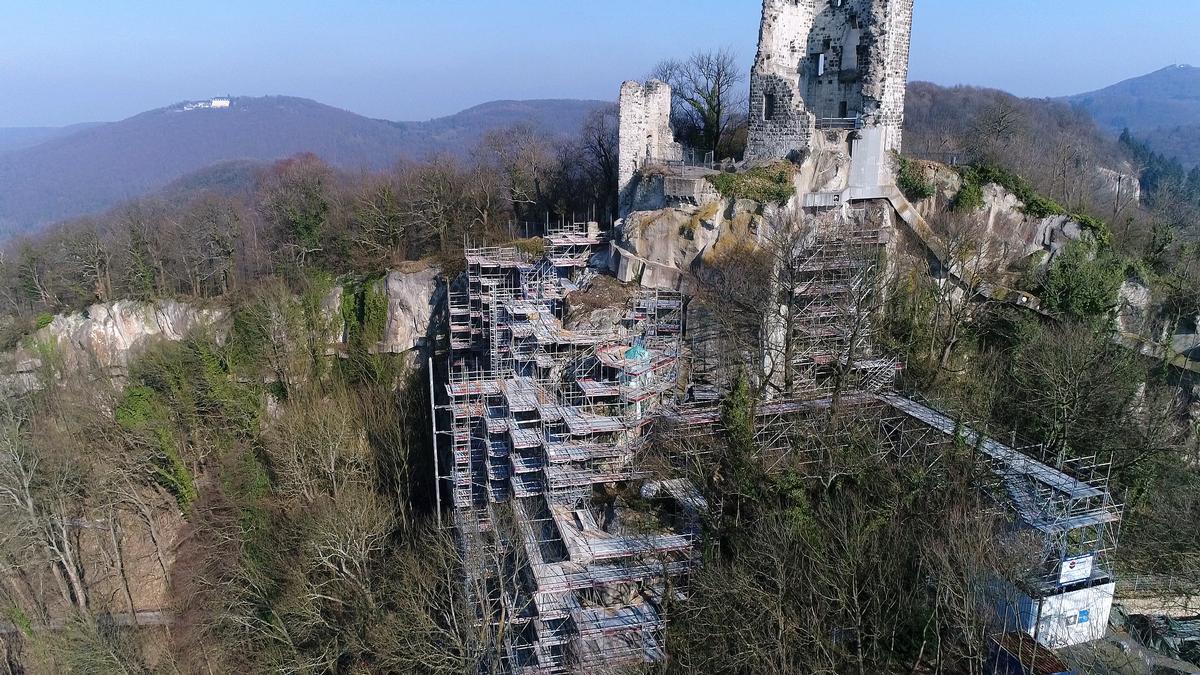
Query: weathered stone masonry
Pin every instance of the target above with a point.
(645, 132)
(827, 62)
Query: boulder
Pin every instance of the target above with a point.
(1133, 315)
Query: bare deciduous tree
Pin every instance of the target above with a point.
(524, 161)
(295, 199)
(969, 265)
(1074, 384)
(708, 96)
(599, 145)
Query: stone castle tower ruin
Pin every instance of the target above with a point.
(828, 94)
(840, 64)
(645, 134)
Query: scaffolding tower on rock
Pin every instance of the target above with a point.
(568, 547)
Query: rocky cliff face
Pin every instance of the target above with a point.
(1015, 236)
(1010, 235)
(413, 297)
(658, 248)
(105, 338)
(1020, 242)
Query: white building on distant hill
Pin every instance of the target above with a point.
(220, 102)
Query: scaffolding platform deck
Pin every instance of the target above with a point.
(1013, 461)
(536, 422)
(567, 452)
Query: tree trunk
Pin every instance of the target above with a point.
(114, 535)
(148, 518)
(69, 562)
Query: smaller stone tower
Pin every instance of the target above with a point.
(828, 64)
(645, 133)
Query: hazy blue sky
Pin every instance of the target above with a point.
(65, 61)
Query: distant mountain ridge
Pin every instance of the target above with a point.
(80, 171)
(15, 138)
(1162, 108)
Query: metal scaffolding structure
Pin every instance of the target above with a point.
(818, 337)
(545, 426)
(830, 273)
(569, 546)
(1065, 501)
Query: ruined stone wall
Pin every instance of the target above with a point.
(645, 133)
(780, 122)
(885, 80)
(827, 59)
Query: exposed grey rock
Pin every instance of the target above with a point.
(1119, 185)
(412, 299)
(1186, 340)
(658, 248)
(1134, 313)
(1010, 235)
(109, 335)
(105, 338)
(331, 310)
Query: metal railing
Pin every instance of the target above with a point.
(947, 157)
(690, 158)
(855, 122)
